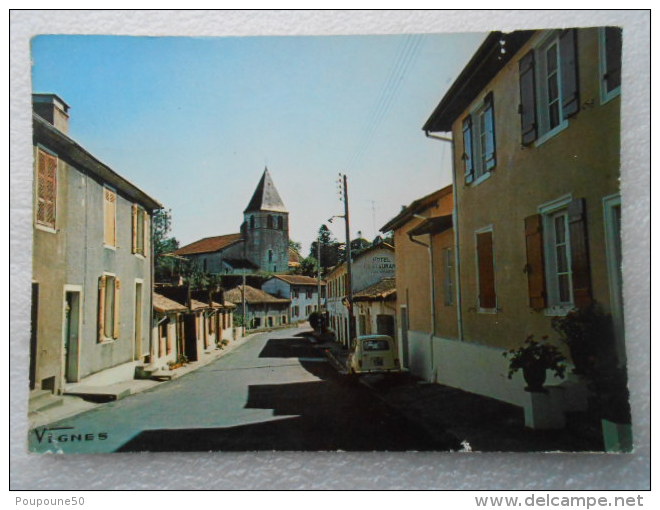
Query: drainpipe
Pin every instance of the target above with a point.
(431, 273)
(455, 214)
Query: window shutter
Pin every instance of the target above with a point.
(468, 153)
(110, 224)
(489, 114)
(115, 329)
(569, 73)
(46, 188)
(527, 98)
(535, 264)
(146, 247)
(486, 270)
(102, 282)
(134, 216)
(612, 58)
(581, 271)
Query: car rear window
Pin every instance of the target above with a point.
(375, 345)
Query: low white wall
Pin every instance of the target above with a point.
(479, 369)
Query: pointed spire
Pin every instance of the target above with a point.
(266, 197)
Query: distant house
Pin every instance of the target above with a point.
(375, 309)
(302, 290)
(92, 261)
(425, 279)
(262, 245)
(368, 268)
(189, 324)
(535, 119)
(262, 310)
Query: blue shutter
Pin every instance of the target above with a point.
(489, 123)
(570, 90)
(527, 99)
(468, 152)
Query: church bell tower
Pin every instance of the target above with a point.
(266, 228)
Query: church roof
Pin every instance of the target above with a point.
(266, 197)
(209, 244)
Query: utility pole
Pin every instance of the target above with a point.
(318, 271)
(349, 277)
(243, 303)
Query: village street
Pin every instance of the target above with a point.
(275, 392)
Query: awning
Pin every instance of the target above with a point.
(434, 225)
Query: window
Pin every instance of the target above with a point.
(448, 280)
(479, 141)
(486, 271)
(270, 221)
(295, 293)
(558, 270)
(610, 62)
(140, 230)
(549, 92)
(251, 222)
(309, 293)
(109, 217)
(270, 255)
(108, 318)
(46, 192)
(280, 223)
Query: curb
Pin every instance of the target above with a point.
(445, 437)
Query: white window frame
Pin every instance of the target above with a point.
(483, 230)
(549, 211)
(541, 76)
(478, 141)
(605, 96)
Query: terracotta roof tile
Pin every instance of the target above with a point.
(384, 289)
(298, 279)
(209, 244)
(163, 305)
(252, 296)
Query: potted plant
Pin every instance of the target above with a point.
(586, 331)
(534, 358)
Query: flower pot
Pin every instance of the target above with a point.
(617, 437)
(535, 374)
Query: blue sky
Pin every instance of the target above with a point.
(193, 121)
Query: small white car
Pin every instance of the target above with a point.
(373, 354)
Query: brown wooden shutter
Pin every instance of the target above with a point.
(46, 188)
(102, 283)
(570, 89)
(110, 225)
(486, 270)
(468, 152)
(580, 268)
(528, 123)
(146, 247)
(115, 329)
(134, 216)
(535, 261)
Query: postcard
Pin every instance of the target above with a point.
(328, 243)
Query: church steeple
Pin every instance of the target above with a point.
(266, 197)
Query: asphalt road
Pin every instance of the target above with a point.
(275, 392)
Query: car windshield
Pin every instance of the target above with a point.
(375, 345)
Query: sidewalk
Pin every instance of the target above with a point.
(72, 405)
(476, 422)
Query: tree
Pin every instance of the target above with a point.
(307, 267)
(330, 248)
(163, 243)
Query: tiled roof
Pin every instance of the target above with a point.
(209, 244)
(415, 206)
(252, 296)
(383, 290)
(298, 279)
(165, 305)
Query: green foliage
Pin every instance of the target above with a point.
(330, 248)
(307, 267)
(164, 266)
(533, 352)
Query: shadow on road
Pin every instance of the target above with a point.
(316, 416)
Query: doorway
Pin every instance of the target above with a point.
(72, 336)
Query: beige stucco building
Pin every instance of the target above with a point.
(535, 122)
(425, 276)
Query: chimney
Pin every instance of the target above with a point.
(52, 109)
